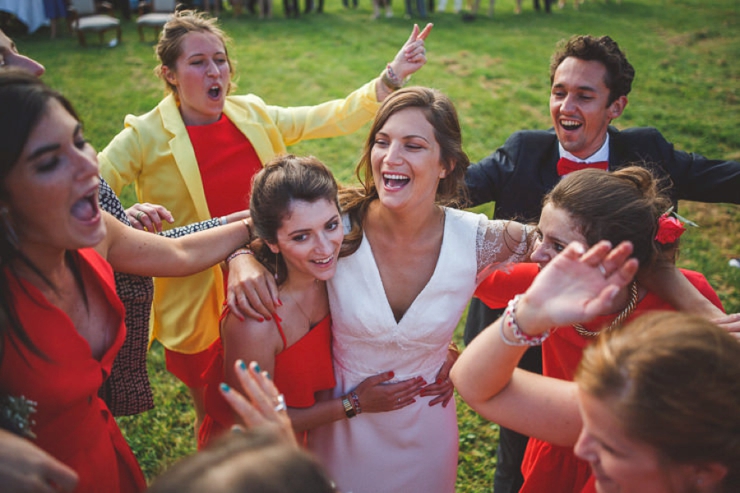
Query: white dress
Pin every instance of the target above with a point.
(413, 449)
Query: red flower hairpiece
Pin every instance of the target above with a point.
(670, 229)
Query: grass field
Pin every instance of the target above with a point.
(685, 53)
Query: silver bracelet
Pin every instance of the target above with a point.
(520, 338)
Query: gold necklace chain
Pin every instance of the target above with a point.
(310, 323)
(618, 320)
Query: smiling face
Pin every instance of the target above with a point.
(201, 77)
(621, 463)
(555, 230)
(52, 191)
(405, 160)
(9, 57)
(309, 239)
(579, 106)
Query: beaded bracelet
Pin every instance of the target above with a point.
(521, 339)
(237, 252)
(391, 80)
(348, 409)
(355, 402)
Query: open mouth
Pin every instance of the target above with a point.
(86, 209)
(570, 124)
(214, 92)
(394, 181)
(323, 262)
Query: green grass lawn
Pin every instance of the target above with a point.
(685, 53)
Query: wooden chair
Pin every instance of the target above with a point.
(161, 12)
(86, 17)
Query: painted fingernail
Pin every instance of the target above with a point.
(225, 387)
(438, 380)
(261, 319)
(279, 302)
(267, 374)
(391, 374)
(257, 368)
(242, 365)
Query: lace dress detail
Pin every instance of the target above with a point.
(499, 243)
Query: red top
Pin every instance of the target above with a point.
(227, 163)
(547, 467)
(71, 423)
(301, 370)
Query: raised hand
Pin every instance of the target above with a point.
(576, 286)
(262, 405)
(412, 55)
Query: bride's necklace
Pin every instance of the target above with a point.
(618, 320)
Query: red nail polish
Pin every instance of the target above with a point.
(392, 374)
(261, 319)
(439, 380)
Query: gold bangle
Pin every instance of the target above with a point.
(453, 347)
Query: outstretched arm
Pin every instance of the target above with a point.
(137, 252)
(572, 288)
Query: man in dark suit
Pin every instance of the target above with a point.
(590, 80)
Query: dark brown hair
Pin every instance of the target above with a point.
(619, 72)
(441, 114)
(621, 206)
(284, 179)
(24, 100)
(673, 382)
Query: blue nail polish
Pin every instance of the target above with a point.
(225, 387)
(267, 374)
(242, 365)
(257, 368)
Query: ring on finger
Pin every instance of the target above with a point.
(281, 403)
(138, 216)
(602, 270)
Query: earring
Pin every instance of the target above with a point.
(276, 266)
(7, 225)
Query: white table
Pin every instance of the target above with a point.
(29, 12)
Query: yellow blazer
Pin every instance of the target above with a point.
(155, 154)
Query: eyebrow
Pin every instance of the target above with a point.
(410, 136)
(308, 230)
(51, 147)
(580, 88)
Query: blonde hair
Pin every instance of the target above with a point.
(169, 47)
(673, 381)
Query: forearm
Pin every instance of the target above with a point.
(321, 413)
(136, 252)
(485, 367)
(664, 278)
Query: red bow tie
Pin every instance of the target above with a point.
(566, 165)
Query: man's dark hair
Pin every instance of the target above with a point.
(619, 72)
